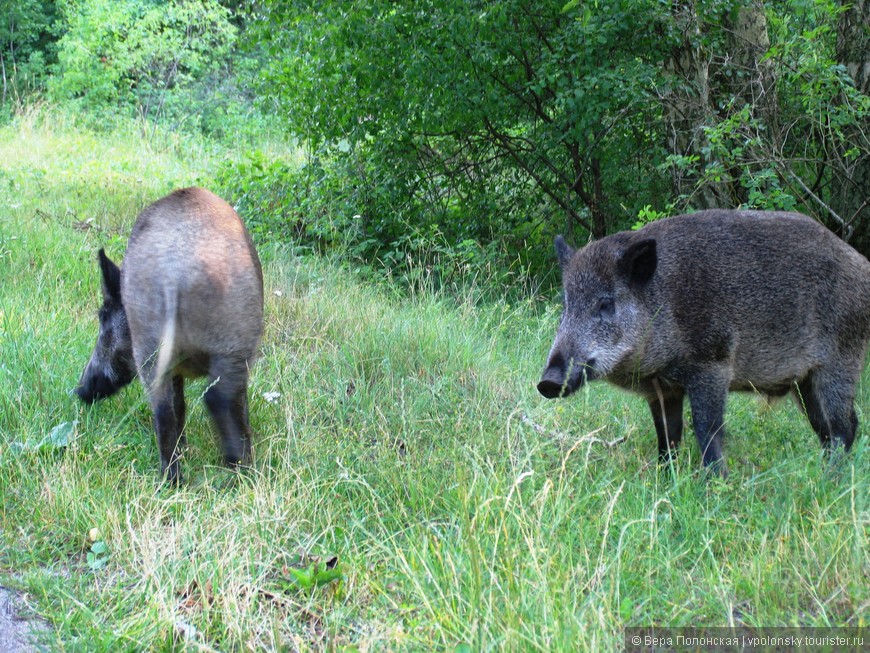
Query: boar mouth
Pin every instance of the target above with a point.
(96, 389)
(96, 386)
(561, 380)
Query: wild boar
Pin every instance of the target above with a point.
(702, 304)
(186, 302)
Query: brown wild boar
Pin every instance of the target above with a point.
(699, 305)
(186, 302)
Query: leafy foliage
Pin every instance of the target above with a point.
(506, 123)
(307, 203)
(474, 121)
(131, 54)
(454, 136)
(787, 128)
(26, 47)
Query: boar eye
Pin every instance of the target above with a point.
(605, 307)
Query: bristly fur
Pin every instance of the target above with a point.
(698, 305)
(192, 291)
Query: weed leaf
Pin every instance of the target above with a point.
(58, 439)
(60, 436)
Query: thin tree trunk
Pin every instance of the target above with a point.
(853, 42)
(3, 72)
(747, 83)
(753, 77)
(688, 111)
(851, 192)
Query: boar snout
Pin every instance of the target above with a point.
(96, 384)
(562, 378)
(91, 390)
(551, 383)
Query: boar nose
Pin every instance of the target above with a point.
(85, 394)
(94, 386)
(554, 378)
(561, 378)
(551, 383)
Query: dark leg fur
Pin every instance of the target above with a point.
(830, 408)
(707, 398)
(854, 423)
(168, 406)
(806, 397)
(668, 423)
(227, 402)
(180, 407)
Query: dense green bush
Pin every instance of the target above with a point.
(455, 136)
(494, 124)
(323, 204)
(140, 57)
(170, 65)
(506, 124)
(27, 34)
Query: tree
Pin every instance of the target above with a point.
(853, 42)
(26, 45)
(717, 71)
(851, 193)
(474, 119)
(136, 54)
(771, 118)
(688, 108)
(511, 121)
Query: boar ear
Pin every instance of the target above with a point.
(563, 251)
(111, 277)
(638, 262)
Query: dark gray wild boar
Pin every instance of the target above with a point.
(702, 304)
(187, 302)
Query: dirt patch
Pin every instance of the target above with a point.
(17, 632)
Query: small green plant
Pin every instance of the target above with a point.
(313, 574)
(58, 439)
(646, 215)
(98, 555)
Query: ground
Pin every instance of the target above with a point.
(15, 630)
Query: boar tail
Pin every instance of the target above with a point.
(167, 341)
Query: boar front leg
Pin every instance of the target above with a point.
(667, 412)
(707, 392)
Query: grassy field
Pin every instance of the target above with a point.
(400, 439)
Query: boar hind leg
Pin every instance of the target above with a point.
(707, 396)
(167, 402)
(829, 403)
(667, 412)
(227, 401)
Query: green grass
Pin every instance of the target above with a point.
(406, 438)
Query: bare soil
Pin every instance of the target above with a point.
(17, 632)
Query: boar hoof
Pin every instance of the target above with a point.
(716, 469)
(172, 474)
